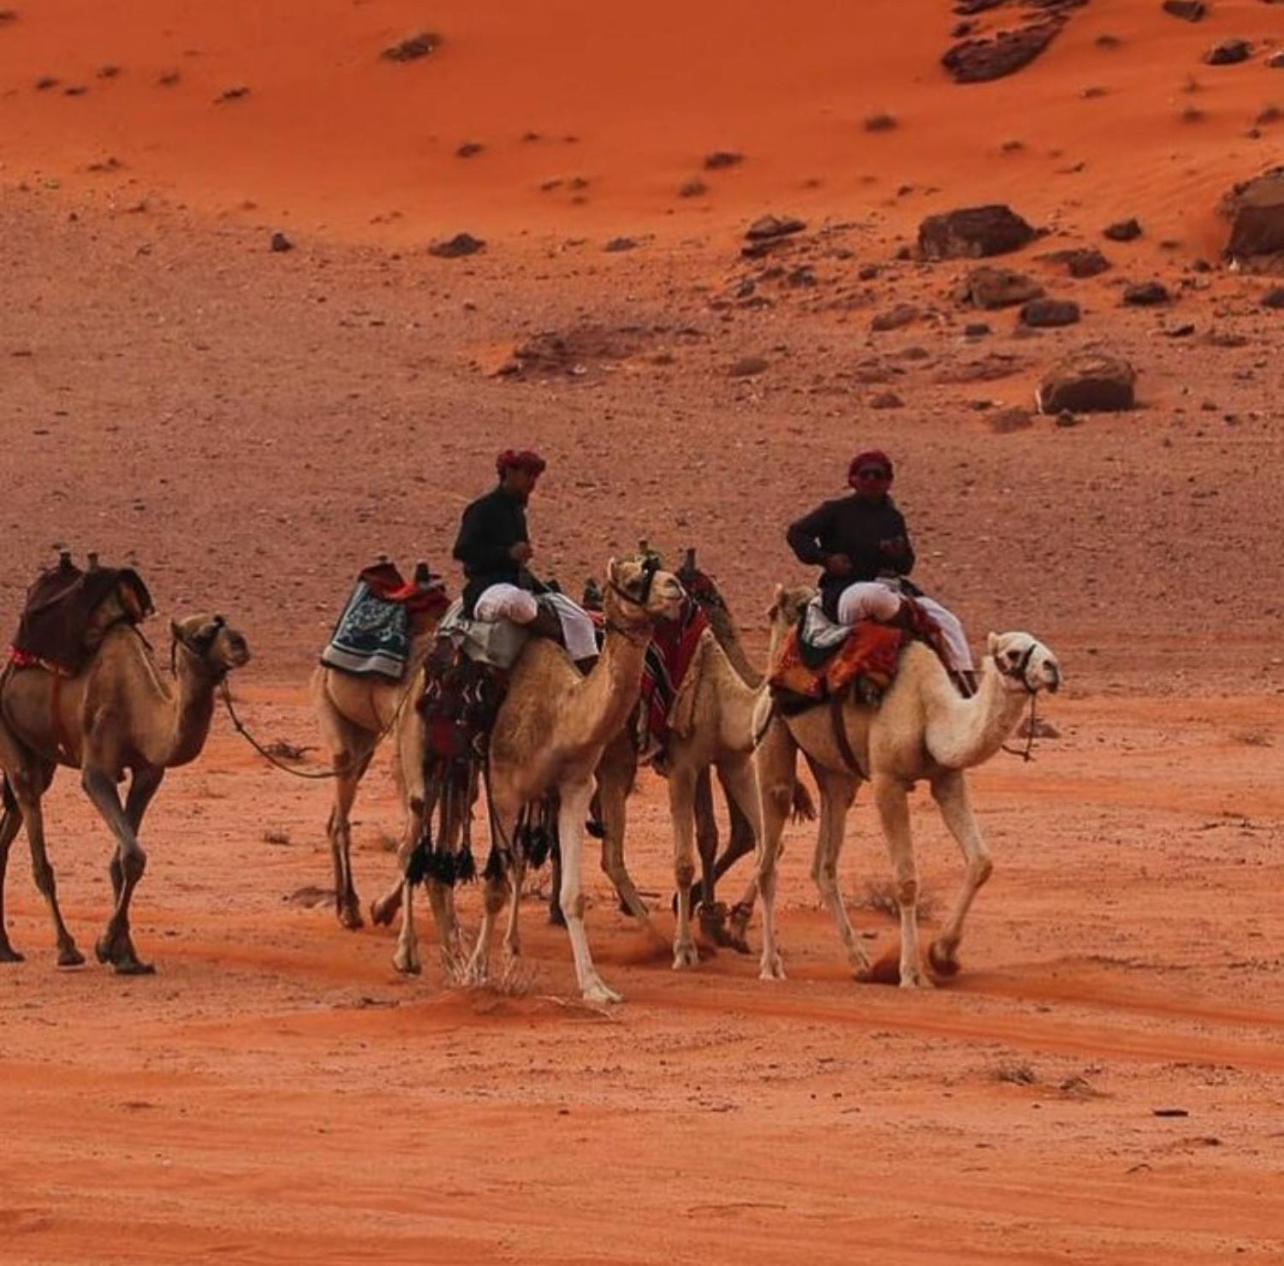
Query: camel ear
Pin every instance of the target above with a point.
(992, 644)
(777, 597)
(611, 568)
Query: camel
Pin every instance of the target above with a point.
(355, 714)
(120, 713)
(922, 729)
(549, 735)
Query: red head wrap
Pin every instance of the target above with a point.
(523, 459)
(871, 457)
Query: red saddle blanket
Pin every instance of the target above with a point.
(668, 657)
(870, 654)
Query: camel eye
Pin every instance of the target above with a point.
(1014, 657)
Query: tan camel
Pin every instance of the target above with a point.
(355, 714)
(550, 735)
(922, 729)
(120, 713)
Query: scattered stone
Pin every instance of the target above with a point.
(721, 159)
(457, 247)
(280, 243)
(748, 367)
(1276, 60)
(1049, 313)
(1081, 262)
(1180, 331)
(1146, 294)
(1122, 231)
(990, 288)
(1274, 298)
(75, 90)
(412, 49)
(232, 94)
(976, 329)
(694, 188)
(768, 227)
(803, 276)
(975, 61)
(1088, 381)
(887, 400)
(1190, 10)
(1256, 210)
(880, 122)
(868, 272)
(45, 82)
(895, 318)
(168, 78)
(108, 72)
(1005, 421)
(469, 149)
(1229, 52)
(617, 244)
(972, 232)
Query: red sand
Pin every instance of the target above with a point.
(250, 427)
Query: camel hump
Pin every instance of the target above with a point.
(68, 611)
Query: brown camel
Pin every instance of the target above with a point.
(922, 729)
(549, 735)
(355, 714)
(120, 713)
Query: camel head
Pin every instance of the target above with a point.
(638, 592)
(787, 605)
(1024, 662)
(210, 643)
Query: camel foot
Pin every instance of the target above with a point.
(10, 955)
(684, 956)
(349, 915)
(772, 968)
(915, 978)
(381, 912)
(942, 961)
(407, 962)
(555, 917)
(599, 991)
(70, 956)
(738, 927)
(133, 967)
(512, 950)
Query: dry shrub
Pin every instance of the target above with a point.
(516, 978)
(1015, 1074)
(880, 895)
(276, 837)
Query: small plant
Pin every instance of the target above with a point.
(1015, 1074)
(276, 837)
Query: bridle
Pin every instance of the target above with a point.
(198, 647)
(650, 565)
(1019, 670)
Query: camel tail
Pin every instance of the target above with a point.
(10, 801)
(804, 807)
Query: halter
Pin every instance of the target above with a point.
(198, 647)
(650, 565)
(1018, 673)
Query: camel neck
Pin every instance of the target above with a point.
(966, 732)
(192, 704)
(611, 689)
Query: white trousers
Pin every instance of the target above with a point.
(873, 600)
(508, 602)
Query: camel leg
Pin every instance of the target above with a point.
(406, 957)
(494, 895)
(740, 782)
(10, 824)
(384, 909)
(682, 793)
(891, 799)
(570, 828)
(512, 933)
(115, 946)
(613, 790)
(949, 790)
(706, 834)
(836, 794)
(775, 760)
(350, 768)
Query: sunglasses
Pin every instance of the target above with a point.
(872, 472)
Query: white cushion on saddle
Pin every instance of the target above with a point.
(819, 630)
(494, 642)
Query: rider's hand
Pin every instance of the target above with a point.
(521, 552)
(838, 565)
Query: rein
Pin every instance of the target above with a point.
(1018, 674)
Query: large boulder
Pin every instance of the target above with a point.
(989, 288)
(974, 61)
(1256, 212)
(973, 232)
(1088, 381)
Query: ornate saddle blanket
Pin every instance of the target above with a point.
(819, 658)
(372, 636)
(673, 649)
(68, 610)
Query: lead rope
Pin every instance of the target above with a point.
(1029, 733)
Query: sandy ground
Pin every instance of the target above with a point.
(1103, 1083)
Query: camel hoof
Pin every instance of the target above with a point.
(10, 955)
(601, 993)
(70, 956)
(685, 956)
(942, 962)
(555, 917)
(350, 918)
(915, 980)
(381, 913)
(407, 964)
(772, 969)
(132, 967)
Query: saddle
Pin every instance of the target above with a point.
(68, 612)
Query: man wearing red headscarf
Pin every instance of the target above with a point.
(494, 546)
(863, 545)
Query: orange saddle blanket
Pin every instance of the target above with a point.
(870, 654)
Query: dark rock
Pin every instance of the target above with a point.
(767, 227)
(1005, 421)
(617, 244)
(1048, 313)
(1180, 331)
(976, 329)
(1122, 231)
(469, 149)
(1083, 262)
(1274, 298)
(973, 232)
(868, 272)
(748, 366)
(721, 159)
(693, 188)
(1228, 53)
(457, 247)
(1256, 210)
(1146, 294)
(975, 61)
(1088, 381)
(901, 315)
(801, 277)
(280, 242)
(990, 288)
(1191, 10)
(887, 400)
(1276, 60)
(412, 49)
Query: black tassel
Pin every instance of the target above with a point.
(495, 867)
(536, 844)
(419, 864)
(465, 866)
